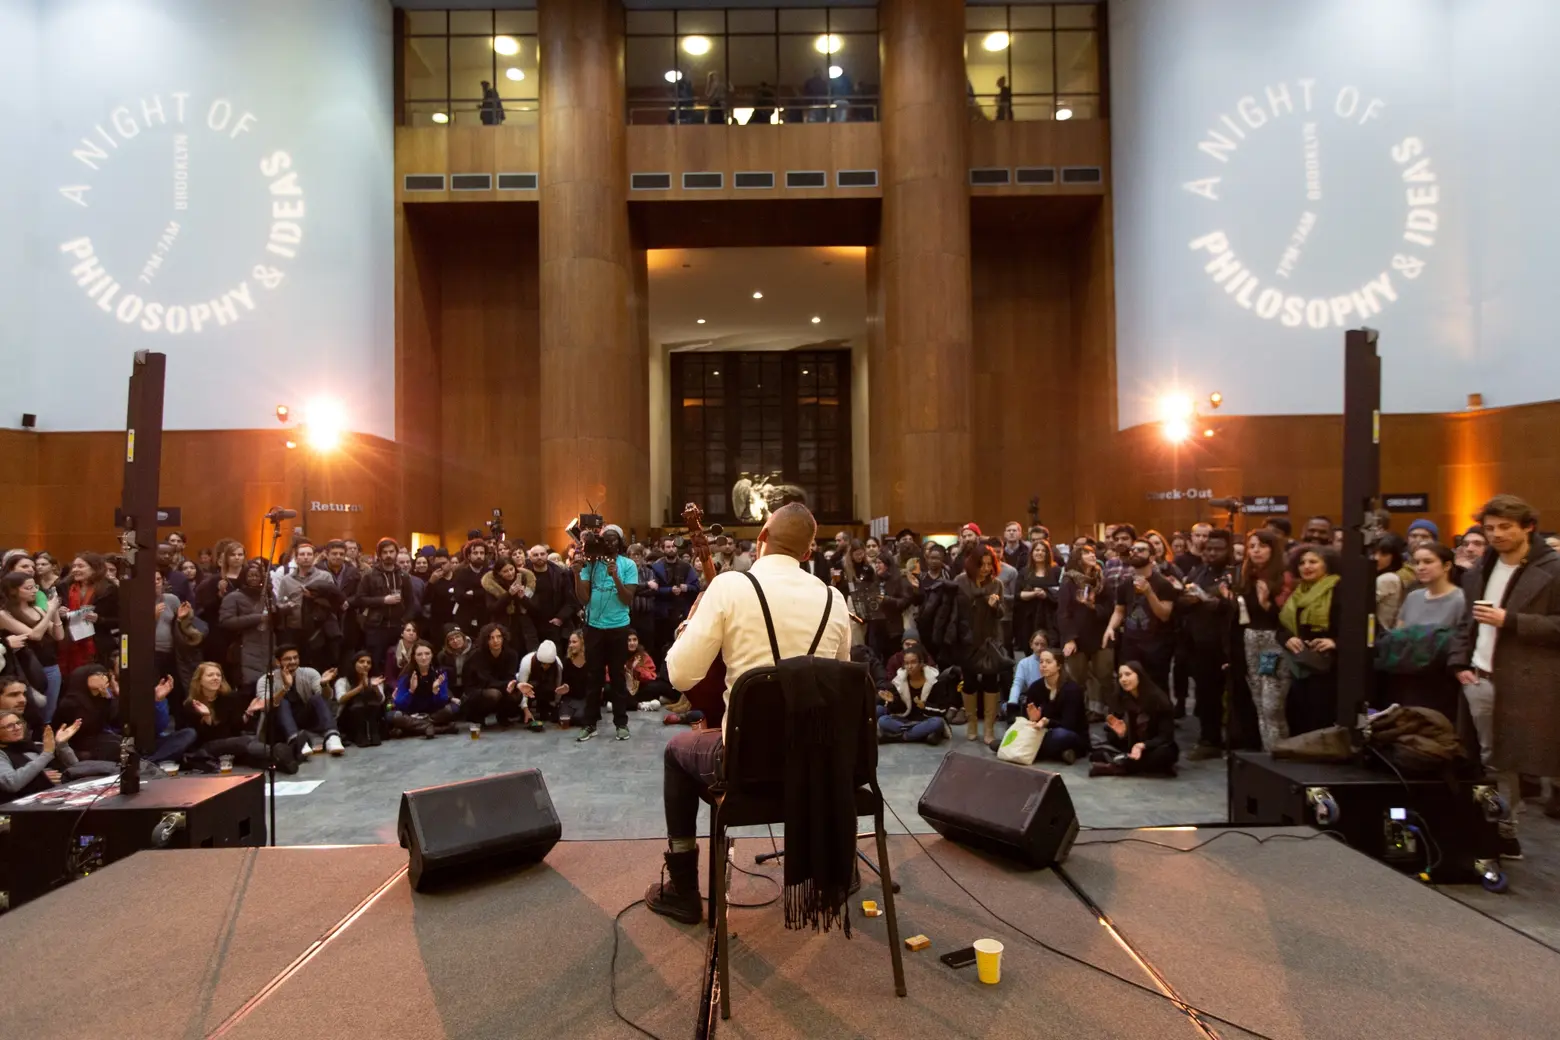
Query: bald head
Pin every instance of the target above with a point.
(789, 531)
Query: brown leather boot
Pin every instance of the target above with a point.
(988, 704)
(971, 723)
(676, 895)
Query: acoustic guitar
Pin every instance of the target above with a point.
(709, 694)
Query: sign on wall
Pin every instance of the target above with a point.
(1284, 172)
(1265, 505)
(1411, 503)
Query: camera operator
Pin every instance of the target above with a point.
(605, 581)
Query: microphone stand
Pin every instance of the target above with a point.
(268, 608)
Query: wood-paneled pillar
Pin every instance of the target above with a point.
(594, 373)
(924, 266)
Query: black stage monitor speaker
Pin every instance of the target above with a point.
(1000, 807)
(498, 821)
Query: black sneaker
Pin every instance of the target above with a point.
(588, 733)
(1510, 848)
(676, 895)
(1069, 757)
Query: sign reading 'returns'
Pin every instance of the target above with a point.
(182, 134)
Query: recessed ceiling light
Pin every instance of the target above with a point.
(506, 45)
(515, 74)
(835, 72)
(716, 372)
(758, 296)
(816, 319)
(1064, 113)
(672, 76)
(997, 41)
(441, 117)
(829, 44)
(699, 322)
(697, 45)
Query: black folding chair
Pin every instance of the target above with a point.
(752, 791)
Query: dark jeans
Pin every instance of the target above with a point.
(477, 705)
(171, 747)
(315, 713)
(1207, 674)
(378, 641)
(1057, 740)
(691, 764)
(657, 690)
(606, 650)
(1155, 760)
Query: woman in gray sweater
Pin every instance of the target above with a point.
(27, 767)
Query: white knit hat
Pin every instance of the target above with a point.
(547, 653)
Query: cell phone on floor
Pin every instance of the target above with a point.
(959, 958)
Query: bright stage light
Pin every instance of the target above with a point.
(324, 423)
(829, 44)
(997, 41)
(1216, 399)
(1176, 406)
(1177, 430)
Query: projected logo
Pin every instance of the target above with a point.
(1318, 215)
(188, 221)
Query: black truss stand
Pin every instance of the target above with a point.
(1361, 483)
(138, 543)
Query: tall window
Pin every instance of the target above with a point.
(775, 417)
(448, 57)
(768, 65)
(1034, 61)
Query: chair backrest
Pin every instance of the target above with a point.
(755, 756)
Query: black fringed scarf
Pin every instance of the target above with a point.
(820, 806)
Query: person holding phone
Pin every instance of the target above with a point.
(383, 600)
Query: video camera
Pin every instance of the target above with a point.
(495, 526)
(586, 531)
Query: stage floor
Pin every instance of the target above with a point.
(1292, 939)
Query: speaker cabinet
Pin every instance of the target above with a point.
(482, 825)
(1011, 810)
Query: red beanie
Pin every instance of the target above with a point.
(972, 526)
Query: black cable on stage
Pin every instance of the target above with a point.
(1190, 1010)
(1222, 833)
(612, 973)
(70, 842)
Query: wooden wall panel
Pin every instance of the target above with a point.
(1009, 144)
(829, 147)
(466, 149)
(417, 336)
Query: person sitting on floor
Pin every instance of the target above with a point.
(422, 697)
(360, 702)
(904, 716)
(541, 683)
(1025, 674)
(645, 689)
(1056, 703)
(297, 693)
(218, 714)
(493, 682)
(1141, 740)
(459, 651)
(92, 696)
(27, 766)
(17, 696)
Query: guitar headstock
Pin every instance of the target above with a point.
(699, 541)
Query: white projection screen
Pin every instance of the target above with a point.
(1284, 171)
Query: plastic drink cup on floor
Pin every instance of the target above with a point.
(988, 961)
(476, 731)
(170, 768)
(225, 764)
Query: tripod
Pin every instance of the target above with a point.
(765, 857)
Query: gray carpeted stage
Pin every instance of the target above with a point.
(1288, 939)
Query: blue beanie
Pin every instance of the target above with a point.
(1426, 525)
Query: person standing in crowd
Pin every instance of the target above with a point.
(360, 702)
(674, 584)
(20, 615)
(1507, 656)
(1431, 613)
(1034, 605)
(168, 568)
(1388, 552)
(299, 708)
(1318, 531)
(469, 606)
(553, 606)
(1422, 532)
(91, 614)
(857, 583)
(491, 110)
(243, 617)
(980, 640)
(1141, 607)
(1083, 612)
(310, 603)
(381, 600)
(937, 612)
(341, 562)
(1207, 615)
(606, 587)
(1056, 704)
(506, 587)
(228, 556)
(885, 625)
(1470, 551)
(1265, 587)
(1309, 619)
(1141, 741)
(902, 717)
(1015, 551)
(1191, 557)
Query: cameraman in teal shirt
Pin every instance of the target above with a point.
(606, 586)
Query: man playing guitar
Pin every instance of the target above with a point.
(727, 621)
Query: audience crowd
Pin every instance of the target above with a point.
(338, 645)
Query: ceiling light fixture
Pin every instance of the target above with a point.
(515, 74)
(1063, 112)
(506, 45)
(835, 72)
(828, 44)
(440, 117)
(996, 41)
(816, 319)
(742, 115)
(672, 76)
(696, 45)
(758, 296)
(699, 321)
